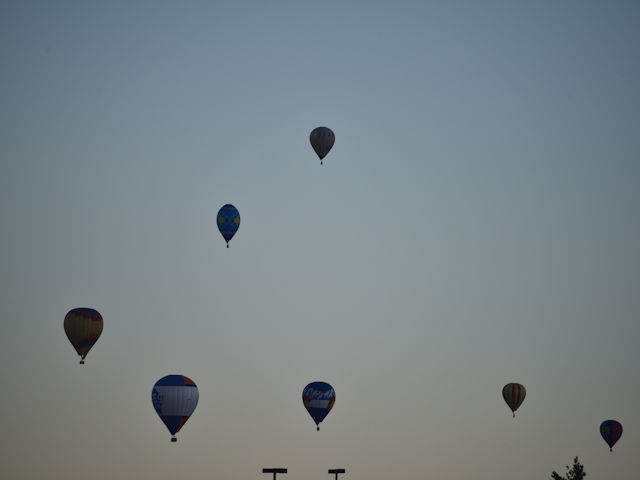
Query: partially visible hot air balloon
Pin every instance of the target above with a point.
(611, 431)
(322, 139)
(228, 222)
(513, 394)
(318, 399)
(83, 327)
(175, 398)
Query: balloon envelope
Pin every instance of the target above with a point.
(513, 394)
(228, 221)
(83, 327)
(611, 431)
(318, 399)
(322, 140)
(175, 398)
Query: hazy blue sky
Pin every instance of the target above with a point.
(476, 223)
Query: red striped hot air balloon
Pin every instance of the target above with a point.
(513, 394)
(83, 327)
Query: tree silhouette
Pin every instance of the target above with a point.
(574, 473)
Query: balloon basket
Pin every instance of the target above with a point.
(174, 439)
(81, 362)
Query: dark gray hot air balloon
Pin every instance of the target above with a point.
(322, 139)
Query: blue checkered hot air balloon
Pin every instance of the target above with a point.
(228, 222)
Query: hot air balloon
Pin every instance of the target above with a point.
(322, 139)
(228, 221)
(611, 431)
(83, 327)
(175, 398)
(513, 394)
(318, 399)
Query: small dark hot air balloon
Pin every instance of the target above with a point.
(318, 398)
(513, 394)
(228, 222)
(83, 327)
(322, 139)
(174, 398)
(611, 431)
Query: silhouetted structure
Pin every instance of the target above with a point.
(337, 471)
(275, 471)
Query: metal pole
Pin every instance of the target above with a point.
(274, 471)
(337, 471)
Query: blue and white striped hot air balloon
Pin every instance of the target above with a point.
(175, 398)
(318, 398)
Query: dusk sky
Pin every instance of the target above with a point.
(477, 222)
